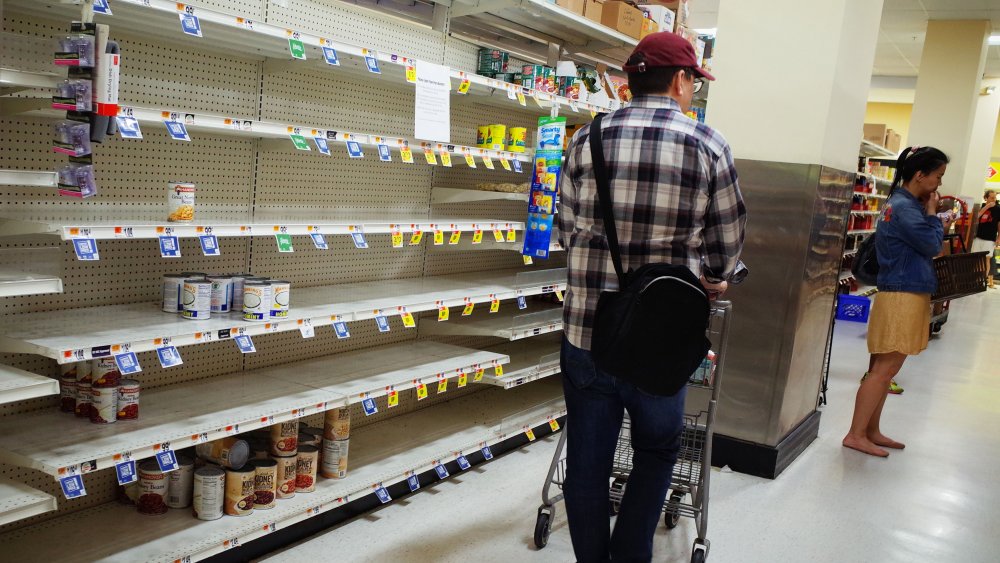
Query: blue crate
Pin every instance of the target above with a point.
(853, 308)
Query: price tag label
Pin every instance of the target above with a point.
(330, 55)
(384, 154)
(392, 399)
(554, 425)
(245, 344)
(522, 303)
(443, 313)
(322, 146)
(165, 457)
(169, 356)
(177, 130)
(307, 329)
(463, 463)
(406, 155)
(446, 158)
(341, 330)
(128, 363)
(101, 7)
(528, 260)
(429, 157)
(442, 385)
(477, 236)
(575, 106)
(383, 495)
(463, 379)
(354, 149)
(511, 235)
(125, 470)
(170, 247)
(209, 245)
(468, 309)
(530, 434)
(369, 406)
(413, 482)
(383, 323)
(593, 114)
(470, 160)
(494, 306)
(411, 74)
(359, 239)
(408, 321)
(284, 242)
(300, 142)
(72, 486)
(319, 241)
(421, 392)
(441, 470)
(479, 375)
(86, 249)
(438, 238)
(487, 453)
(505, 163)
(520, 98)
(511, 94)
(372, 63)
(397, 239)
(498, 370)
(296, 48)
(559, 295)
(488, 162)
(498, 235)
(190, 24)
(455, 237)
(416, 237)
(128, 127)
(463, 88)
(517, 165)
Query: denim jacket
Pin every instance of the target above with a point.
(907, 240)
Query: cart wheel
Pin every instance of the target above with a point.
(698, 556)
(671, 516)
(618, 485)
(543, 526)
(936, 328)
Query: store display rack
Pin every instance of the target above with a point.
(507, 325)
(19, 385)
(15, 283)
(19, 501)
(530, 361)
(382, 454)
(29, 178)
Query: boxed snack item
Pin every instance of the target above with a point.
(649, 26)
(875, 133)
(892, 140)
(593, 10)
(492, 61)
(662, 15)
(622, 16)
(575, 6)
(681, 11)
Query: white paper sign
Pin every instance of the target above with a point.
(432, 111)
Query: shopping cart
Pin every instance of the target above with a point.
(688, 495)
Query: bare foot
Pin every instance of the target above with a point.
(885, 441)
(864, 445)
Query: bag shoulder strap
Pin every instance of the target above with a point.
(604, 195)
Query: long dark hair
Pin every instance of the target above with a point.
(917, 159)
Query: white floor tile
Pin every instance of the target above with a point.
(937, 501)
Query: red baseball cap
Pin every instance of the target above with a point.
(665, 48)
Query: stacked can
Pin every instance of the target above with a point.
(287, 473)
(197, 299)
(128, 399)
(173, 289)
(281, 293)
(257, 295)
(209, 493)
(237, 300)
(152, 489)
(222, 293)
(228, 452)
(83, 387)
(67, 387)
(305, 472)
(180, 483)
(106, 378)
(336, 438)
(240, 490)
(265, 483)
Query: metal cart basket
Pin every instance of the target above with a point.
(689, 488)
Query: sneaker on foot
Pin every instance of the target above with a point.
(894, 388)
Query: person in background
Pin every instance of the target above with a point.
(675, 200)
(987, 230)
(908, 236)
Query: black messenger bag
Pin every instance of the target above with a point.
(652, 332)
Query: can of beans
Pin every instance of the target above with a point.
(104, 404)
(197, 299)
(307, 462)
(285, 438)
(173, 286)
(265, 483)
(105, 373)
(236, 304)
(310, 440)
(128, 399)
(152, 489)
(287, 468)
(84, 399)
(256, 300)
(222, 293)
(180, 202)
(281, 292)
(180, 483)
(67, 387)
(228, 452)
(334, 465)
(208, 493)
(337, 424)
(240, 485)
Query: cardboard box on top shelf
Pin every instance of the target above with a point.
(662, 15)
(875, 133)
(893, 140)
(649, 26)
(593, 10)
(623, 17)
(691, 36)
(699, 50)
(575, 6)
(679, 7)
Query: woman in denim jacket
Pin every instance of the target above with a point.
(908, 237)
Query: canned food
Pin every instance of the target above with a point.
(173, 286)
(265, 483)
(285, 438)
(256, 300)
(208, 493)
(128, 399)
(180, 483)
(518, 139)
(482, 134)
(105, 373)
(84, 371)
(310, 440)
(67, 389)
(306, 464)
(180, 202)
(334, 464)
(83, 399)
(497, 137)
(281, 292)
(104, 405)
(222, 293)
(337, 424)
(152, 489)
(197, 299)
(286, 477)
(236, 301)
(229, 452)
(240, 485)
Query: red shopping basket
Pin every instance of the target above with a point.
(960, 275)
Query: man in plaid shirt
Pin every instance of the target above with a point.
(676, 200)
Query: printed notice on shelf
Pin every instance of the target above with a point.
(432, 111)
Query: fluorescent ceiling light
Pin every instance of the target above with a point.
(994, 39)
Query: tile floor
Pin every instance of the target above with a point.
(938, 501)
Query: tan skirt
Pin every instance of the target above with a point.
(899, 322)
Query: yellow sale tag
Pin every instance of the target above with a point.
(527, 260)
(520, 98)
(397, 240)
(438, 238)
(408, 321)
(488, 162)
(411, 75)
(443, 313)
(498, 235)
(446, 158)
(593, 114)
(416, 237)
(554, 425)
(559, 295)
(479, 375)
(429, 157)
(463, 380)
(442, 386)
(468, 309)
(494, 305)
(393, 399)
(470, 160)
(463, 88)
(477, 237)
(511, 235)
(530, 434)
(498, 370)
(505, 163)
(421, 392)
(406, 155)
(455, 237)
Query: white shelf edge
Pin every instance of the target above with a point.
(870, 149)
(41, 179)
(15, 284)
(496, 325)
(19, 385)
(21, 79)
(19, 501)
(860, 232)
(458, 195)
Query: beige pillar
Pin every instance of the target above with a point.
(946, 101)
(981, 144)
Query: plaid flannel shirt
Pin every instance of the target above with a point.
(675, 196)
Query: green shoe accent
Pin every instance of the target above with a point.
(894, 388)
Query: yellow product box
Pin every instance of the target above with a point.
(482, 134)
(518, 139)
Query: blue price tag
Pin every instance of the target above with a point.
(125, 471)
(128, 363)
(128, 127)
(383, 323)
(320, 241)
(463, 463)
(341, 330)
(414, 482)
(321, 145)
(245, 344)
(190, 24)
(209, 245)
(330, 54)
(354, 149)
(72, 486)
(487, 452)
(517, 165)
(369, 406)
(170, 247)
(522, 303)
(178, 131)
(167, 460)
(86, 249)
(372, 63)
(102, 7)
(441, 470)
(384, 154)
(169, 356)
(359, 240)
(383, 495)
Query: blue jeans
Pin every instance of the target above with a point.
(596, 402)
